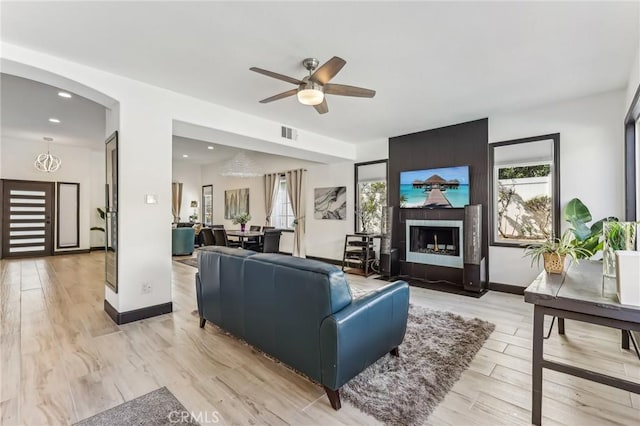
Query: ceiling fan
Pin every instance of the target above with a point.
(312, 88)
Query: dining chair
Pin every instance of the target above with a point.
(271, 241)
(252, 243)
(264, 228)
(206, 237)
(220, 238)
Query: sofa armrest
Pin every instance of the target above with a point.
(358, 335)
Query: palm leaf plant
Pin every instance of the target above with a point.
(586, 237)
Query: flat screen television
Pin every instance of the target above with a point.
(443, 188)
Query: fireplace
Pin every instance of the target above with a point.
(435, 242)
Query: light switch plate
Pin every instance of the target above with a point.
(151, 199)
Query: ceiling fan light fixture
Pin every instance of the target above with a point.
(310, 94)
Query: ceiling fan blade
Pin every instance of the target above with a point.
(343, 90)
(280, 96)
(328, 70)
(322, 108)
(276, 75)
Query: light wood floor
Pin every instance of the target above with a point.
(62, 359)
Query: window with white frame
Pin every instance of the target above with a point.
(282, 216)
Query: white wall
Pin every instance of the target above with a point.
(191, 177)
(372, 150)
(17, 163)
(634, 80)
(591, 163)
(325, 238)
(97, 197)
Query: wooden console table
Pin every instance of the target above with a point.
(577, 294)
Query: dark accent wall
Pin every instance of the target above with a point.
(458, 145)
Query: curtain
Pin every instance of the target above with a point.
(270, 182)
(176, 200)
(296, 190)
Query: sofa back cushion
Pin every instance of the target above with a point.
(222, 275)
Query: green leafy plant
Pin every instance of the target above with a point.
(103, 216)
(372, 198)
(586, 237)
(620, 235)
(563, 246)
(241, 218)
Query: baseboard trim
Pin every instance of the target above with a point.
(325, 260)
(507, 288)
(137, 314)
(98, 248)
(77, 251)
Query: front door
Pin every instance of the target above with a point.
(27, 216)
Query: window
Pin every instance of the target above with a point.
(207, 205)
(371, 195)
(525, 188)
(282, 216)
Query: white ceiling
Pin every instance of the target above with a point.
(198, 152)
(431, 63)
(26, 107)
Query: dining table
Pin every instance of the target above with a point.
(243, 236)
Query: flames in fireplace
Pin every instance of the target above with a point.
(438, 240)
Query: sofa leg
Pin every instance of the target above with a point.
(395, 351)
(202, 321)
(334, 397)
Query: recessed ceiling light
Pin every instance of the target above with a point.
(54, 120)
(209, 147)
(185, 156)
(64, 95)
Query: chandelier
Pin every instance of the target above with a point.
(242, 166)
(48, 162)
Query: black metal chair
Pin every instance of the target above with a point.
(206, 237)
(264, 228)
(271, 241)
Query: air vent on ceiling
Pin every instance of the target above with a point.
(289, 133)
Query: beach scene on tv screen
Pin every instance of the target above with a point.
(447, 187)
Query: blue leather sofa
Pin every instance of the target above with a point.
(182, 241)
(301, 312)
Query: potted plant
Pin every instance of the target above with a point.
(616, 236)
(241, 219)
(554, 252)
(586, 236)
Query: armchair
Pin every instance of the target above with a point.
(182, 241)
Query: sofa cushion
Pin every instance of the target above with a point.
(339, 292)
(225, 265)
